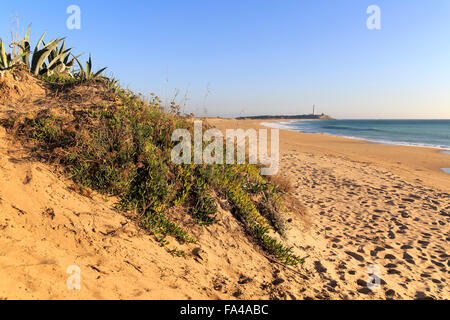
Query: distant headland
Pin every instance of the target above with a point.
(297, 117)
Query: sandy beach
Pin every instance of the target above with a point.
(370, 205)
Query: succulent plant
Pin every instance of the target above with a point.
(25, 48)
(40, 55)
(87, 74)
(47, 61)
(6, 61)
(59, 62)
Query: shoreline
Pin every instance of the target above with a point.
(381, 142)
(385, 143)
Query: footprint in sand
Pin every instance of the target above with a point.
(355, 256)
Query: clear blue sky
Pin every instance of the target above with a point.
(265, 56)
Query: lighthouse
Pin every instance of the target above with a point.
(314, 110)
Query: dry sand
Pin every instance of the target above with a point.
(370, 204)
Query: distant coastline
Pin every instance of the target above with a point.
(297, 117)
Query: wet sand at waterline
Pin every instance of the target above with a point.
(370, 205)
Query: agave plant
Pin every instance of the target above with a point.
(56, 57)
(59, 62)
(25, 48)
(87, 74)
(50, 60)
(40, 55)
(6, 61)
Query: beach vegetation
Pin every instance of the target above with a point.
(122, 148)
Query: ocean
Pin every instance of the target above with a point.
(426, 133)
